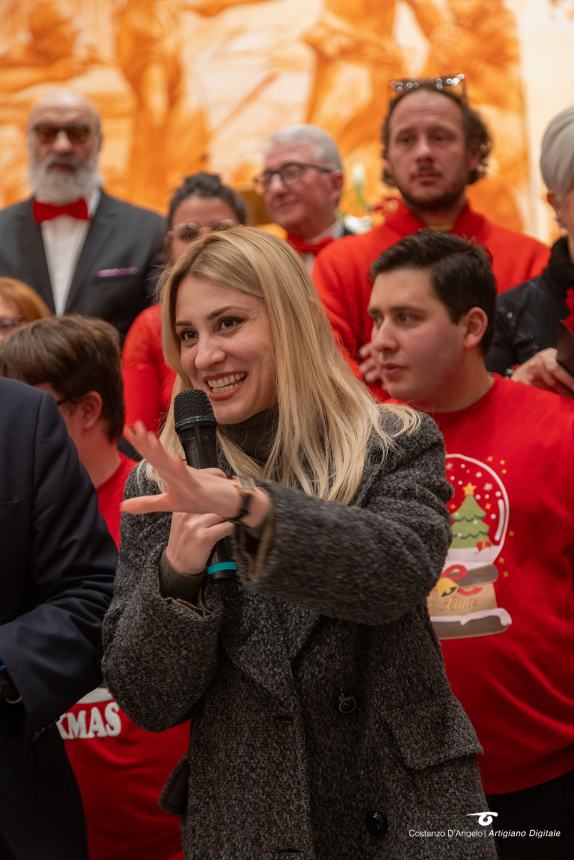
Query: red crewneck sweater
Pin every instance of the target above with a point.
(507, 588)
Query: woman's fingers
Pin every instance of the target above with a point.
(146, 504)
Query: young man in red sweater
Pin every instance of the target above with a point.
(120, 767)
(434, 146)
(504, 605)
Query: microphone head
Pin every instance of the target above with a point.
(192, 406)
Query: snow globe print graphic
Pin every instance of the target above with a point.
(463, 602)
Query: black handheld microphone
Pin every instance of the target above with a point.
(195, 426)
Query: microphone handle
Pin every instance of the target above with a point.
(199, 446)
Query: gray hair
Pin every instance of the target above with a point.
(557, 154)
(306, 133)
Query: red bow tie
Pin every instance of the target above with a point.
(303, 247)
(46, 211)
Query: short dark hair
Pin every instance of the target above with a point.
(73, 354)
(207, 185)
(476, 132)
(460, 272)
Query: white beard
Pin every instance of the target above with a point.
(59, 186)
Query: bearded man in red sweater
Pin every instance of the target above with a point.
(503, 607)
(434, 146)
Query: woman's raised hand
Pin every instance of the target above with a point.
(193, 491)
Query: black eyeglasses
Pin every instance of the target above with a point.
(190, 231)
(47, 132)
(456, 83)
(8, 323)
(289, 174)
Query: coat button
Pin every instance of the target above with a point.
(346, 704)
(377, 824)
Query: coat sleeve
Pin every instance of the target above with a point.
(160, 654)
(368, 562)
(52, 650)
(513, 342)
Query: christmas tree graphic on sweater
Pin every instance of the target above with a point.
(463, 602)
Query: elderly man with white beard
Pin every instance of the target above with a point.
(82, 250)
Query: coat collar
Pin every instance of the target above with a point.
(99, 232)
(31, 250)
(403, 221)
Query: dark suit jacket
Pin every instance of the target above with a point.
(117, 269)
(56, 574)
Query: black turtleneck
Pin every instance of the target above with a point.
(255, 435)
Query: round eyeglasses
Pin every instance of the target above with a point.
(290, 174)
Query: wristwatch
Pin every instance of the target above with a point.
(246, 487)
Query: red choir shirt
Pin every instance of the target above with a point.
(504, 605)
(148, 380)
(341, 271)
(111, 493)
(121, 768)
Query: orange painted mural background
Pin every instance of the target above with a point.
(186, 84)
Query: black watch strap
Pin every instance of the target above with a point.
(246, 487)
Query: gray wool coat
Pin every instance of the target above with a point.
(324, 727)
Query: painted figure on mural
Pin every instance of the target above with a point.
(169, 115)
(169, 131)
(48, 53)
(486, 49)
(356, 52)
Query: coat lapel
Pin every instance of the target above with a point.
(253, 639)
(100, 230)
(31, 251)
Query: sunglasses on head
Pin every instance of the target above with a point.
(47, 132)
(190, 231)
(451, 83)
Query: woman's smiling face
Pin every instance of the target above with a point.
(226, 348)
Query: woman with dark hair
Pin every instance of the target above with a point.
(201, 203)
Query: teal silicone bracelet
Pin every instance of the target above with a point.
(223, 565)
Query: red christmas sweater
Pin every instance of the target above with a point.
(121, 769)
(504, 605)
(148, 380)
(341, 271)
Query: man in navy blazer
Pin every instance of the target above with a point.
(56, 576)
(82, 250)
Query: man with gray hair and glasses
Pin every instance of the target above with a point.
(301, 183)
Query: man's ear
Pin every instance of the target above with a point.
(473, 155)
(337, 182)
(474, 323)
(552, 198)
(90, 409)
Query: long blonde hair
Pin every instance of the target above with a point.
(326, 416)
